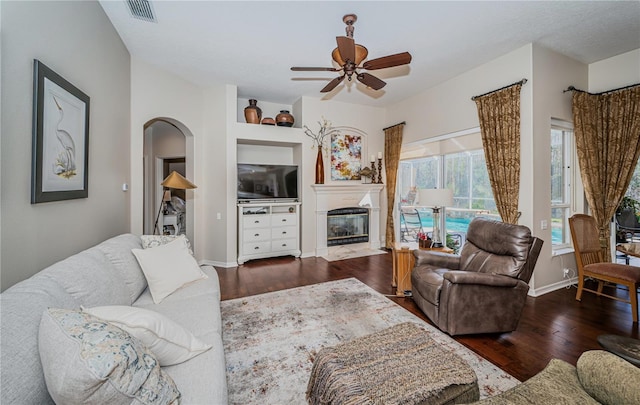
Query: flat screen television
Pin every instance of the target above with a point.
(267, 182)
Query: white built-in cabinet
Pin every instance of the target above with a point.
(268, 229)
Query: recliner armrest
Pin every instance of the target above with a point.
(434, 258)
(472, 277)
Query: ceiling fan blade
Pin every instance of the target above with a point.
(332, 84)
(370, 81)
(314, 69)
(347, 48)
(388, 61)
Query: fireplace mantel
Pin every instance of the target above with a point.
(333, 196)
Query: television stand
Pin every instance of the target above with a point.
(268, 229)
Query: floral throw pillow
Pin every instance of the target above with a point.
(87, 360)
(151, 241)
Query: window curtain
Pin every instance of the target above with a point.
(607, 132)
(499, 115)
(392, 147)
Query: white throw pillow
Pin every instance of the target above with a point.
(169, 342)
(168, 268)
(87, 360)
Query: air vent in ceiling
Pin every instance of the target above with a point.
(142, 10)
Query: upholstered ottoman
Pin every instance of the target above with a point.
(398, 365)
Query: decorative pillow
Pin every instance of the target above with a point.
(150, 241)
(88, 361)
(168, 268)
(169, 342)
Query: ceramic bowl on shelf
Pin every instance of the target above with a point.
(268, 121)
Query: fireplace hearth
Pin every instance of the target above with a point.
(347, 225)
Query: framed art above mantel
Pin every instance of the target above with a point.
(60, 146)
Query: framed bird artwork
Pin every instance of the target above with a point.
(60, 148)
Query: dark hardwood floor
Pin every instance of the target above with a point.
(553, 325)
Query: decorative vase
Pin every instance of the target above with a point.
(252, 113)
(319, 167)
(268, 121)
(284, 119)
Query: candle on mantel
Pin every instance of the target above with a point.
(379, 155)
(373, 158)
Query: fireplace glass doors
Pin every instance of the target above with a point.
(347, 225)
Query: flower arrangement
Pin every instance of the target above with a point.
(423, 240)
(326, 129)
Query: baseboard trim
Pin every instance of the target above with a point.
(536, 292)
(215, 263)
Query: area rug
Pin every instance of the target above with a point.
(270, 340)
(350, 252)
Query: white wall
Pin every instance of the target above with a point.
(158, 94)
(78, 42)
(618, 71)
(553, 73)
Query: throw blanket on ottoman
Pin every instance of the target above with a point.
(398, 365)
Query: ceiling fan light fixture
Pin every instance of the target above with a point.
(361, 54)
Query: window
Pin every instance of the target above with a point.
(561, 191)
(464, 172)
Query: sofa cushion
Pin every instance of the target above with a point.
(168, 268)
(86, 360)
(168, 341)
(608, 378)
(197, 308)
(21, 308)
(557, 384)
(90, 278)
(118, 251)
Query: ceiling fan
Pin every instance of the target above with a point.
(349, 55)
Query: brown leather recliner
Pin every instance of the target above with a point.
(484, 289)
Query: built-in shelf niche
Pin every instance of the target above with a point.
(269, 109)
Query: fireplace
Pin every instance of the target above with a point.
(347, 225)
(336, 196)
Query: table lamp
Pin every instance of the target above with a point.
(436, 198)
(174, 180)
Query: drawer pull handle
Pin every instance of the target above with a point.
(284, 244)
(256, 222)
(284, 220)
(256, 248)
(284, 232)
(257, 234)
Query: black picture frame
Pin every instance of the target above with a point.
(60, 145)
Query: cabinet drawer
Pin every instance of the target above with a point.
(256, 247)
(284, 244)
(256, 234)
(284, 220)
(255, 221)
(284, 232)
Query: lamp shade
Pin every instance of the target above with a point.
(175, 180)
(436, 197)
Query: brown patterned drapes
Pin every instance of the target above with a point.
(392, 146)
(499, 115)
(607, 132)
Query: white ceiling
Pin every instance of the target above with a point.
(254, 44)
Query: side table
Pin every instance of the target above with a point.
(403, 262)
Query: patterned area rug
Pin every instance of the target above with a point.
(270, 340)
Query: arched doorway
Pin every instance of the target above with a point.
(165, 149)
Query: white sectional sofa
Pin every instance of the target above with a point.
(104, 275)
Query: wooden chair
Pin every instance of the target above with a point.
(591, 263)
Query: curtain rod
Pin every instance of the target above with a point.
(523, 81)
(571, 88)
(399, 123)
